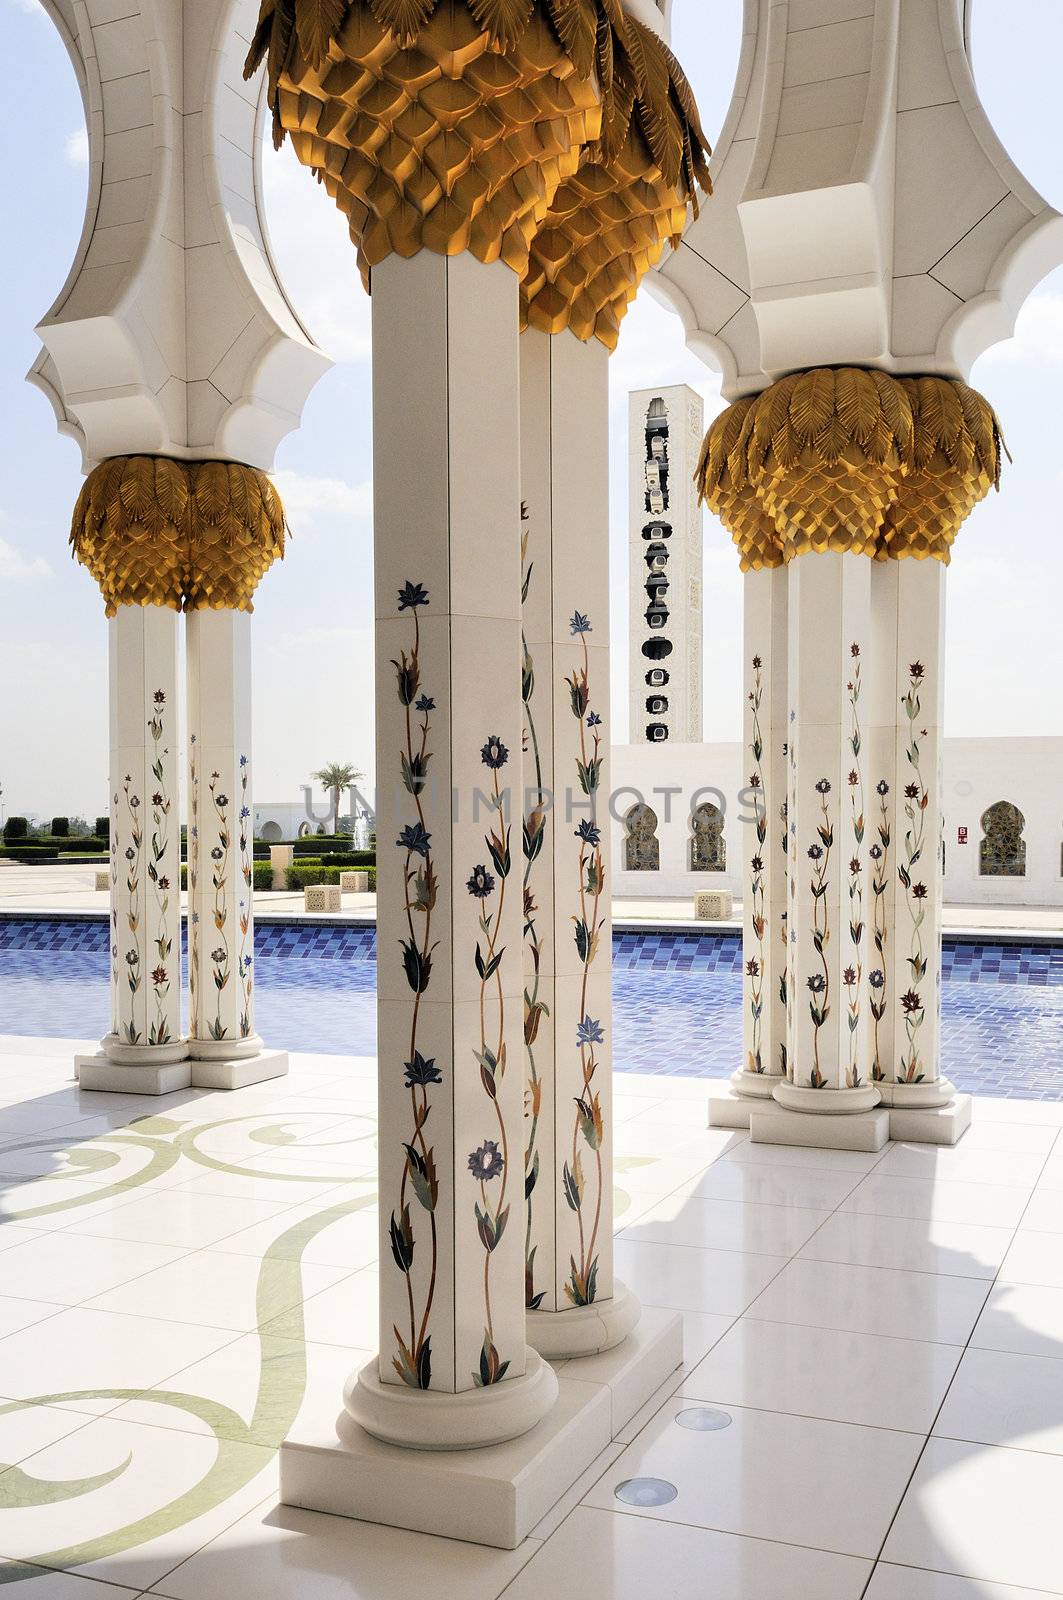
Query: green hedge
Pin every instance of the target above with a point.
(307, 873)
(319, 844)
(261, 877)
(298, 877)
(16, 828)
(47, 849)
(60, 827)
(103, 828)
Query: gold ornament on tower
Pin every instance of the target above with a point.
(559, 136)
(850, 459)
(189, 535)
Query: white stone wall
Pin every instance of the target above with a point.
(977, 773)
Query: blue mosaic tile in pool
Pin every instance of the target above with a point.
(677, 998)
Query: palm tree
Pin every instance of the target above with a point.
(336, 776)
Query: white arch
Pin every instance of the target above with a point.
(180, 225)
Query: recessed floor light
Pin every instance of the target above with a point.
(703, 1419)
(645, 1491)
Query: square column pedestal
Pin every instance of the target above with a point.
(457, 1426)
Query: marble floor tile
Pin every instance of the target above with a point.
(95, 1357)
(914, 1244)
(23, 1582)
(345, 1314)
(1022, 1317)
(1034, 1258)
(1016, 1168)
(814, 1188)
(1044, 1214)
(788, 1155)
(985, 1204)
(816, 1372)
(906, 1583)
(178, 1217)
(803, 1469)
(685, 1278)
(601, 1555)
(298, 1555)
(218, 1291)
(983, 1512)
(135, 1500)
(901, 1305)
(68, 1269)
(726, 1225)
(998, 1397)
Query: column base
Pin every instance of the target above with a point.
(772, 1123)
(225, 1049)
(238, 1073)
(494, 1495)
(932, 1124)
(757, 1085)
(582, 1331)
(917, 1096)
(431, 1420)
(825, 1102)
(103, 1073)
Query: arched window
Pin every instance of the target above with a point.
(272, 832)
(642, 848)
(708, 852)
(1002, 852)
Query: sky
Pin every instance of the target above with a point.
(313, 614)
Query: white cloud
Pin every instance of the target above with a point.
(76, 148)
(16, 568)
(315, 257)
(309, 501)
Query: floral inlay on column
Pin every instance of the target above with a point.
(784, 928)
(246, 960)
(221, 955)
(819, 982)
(582, 1285)
(790, 844)
(193, 879)
(755, 965)
(133, 956)
(413, 1363)
(916, 801)
(489, 1162)
(161, 804)
(880, 856)
(853, 974)
(116, 1024)
(535, 1008)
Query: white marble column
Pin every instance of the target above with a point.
(226, 1049)
(449, 912)
(913, 603)
(881, 773)
(144, 1053)
(764, 930)
(574, 1305)
(828, 1065)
